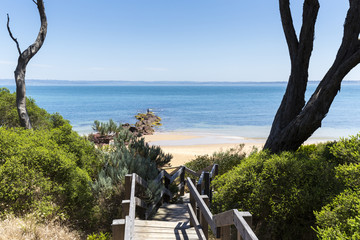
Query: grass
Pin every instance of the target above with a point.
(28, 228)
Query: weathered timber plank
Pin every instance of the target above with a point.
(160, 176)
(243, 227)
(140, 203)
(157, 223)
(165, 237)
(118, 229)
(163, 230)
(201, 204)
(214, 171)
(139, 180)
(176, 175)
(172, 212)
(195, 223)
(192, 172)
(224, 218)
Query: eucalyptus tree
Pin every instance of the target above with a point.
(296, 120)
(23, 60)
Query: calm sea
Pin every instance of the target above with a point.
(238, 110)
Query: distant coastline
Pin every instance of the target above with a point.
(36, 82)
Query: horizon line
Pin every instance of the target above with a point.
(128, 82)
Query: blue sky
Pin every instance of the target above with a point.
(165, 40)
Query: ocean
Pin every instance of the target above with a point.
(241, 110)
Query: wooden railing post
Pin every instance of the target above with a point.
(166, 184)
(224, 232)
(207, 184)
(127, 186)
(118, 229)
(198, 188)
(182, 181)
(125, 204)
(216, 172)
(204, 224)
(197, 209)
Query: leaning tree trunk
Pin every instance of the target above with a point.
(290, 133)
(23, 60)
(300, 52)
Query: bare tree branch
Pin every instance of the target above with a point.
(11, 35)
(23, 60)
(288, 27)
(307, 33)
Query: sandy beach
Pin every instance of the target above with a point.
(185, 147)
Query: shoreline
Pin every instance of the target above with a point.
(187, 145)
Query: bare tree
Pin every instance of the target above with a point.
(294, 121)
(23, 60)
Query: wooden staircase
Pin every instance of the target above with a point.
(188, 219)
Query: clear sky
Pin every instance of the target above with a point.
(165, 40)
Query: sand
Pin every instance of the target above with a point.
(185, 147)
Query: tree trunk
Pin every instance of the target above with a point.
(23, 60)
(294, 123)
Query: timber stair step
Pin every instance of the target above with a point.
(151, 229)
(170, 222)
(176, 212)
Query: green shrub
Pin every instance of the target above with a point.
(98, 236)
(105, 128)
(153, 153)
(225, 159)
(349, 175)
(347, 150)
(41, 172)
(87, 157)
(340, 219)
(281, 190)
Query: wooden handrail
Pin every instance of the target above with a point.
(201, 204)
(195, 223)
(243, 227)
(221, 222)
(177, 174)
(214, 171)
(129, 220)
